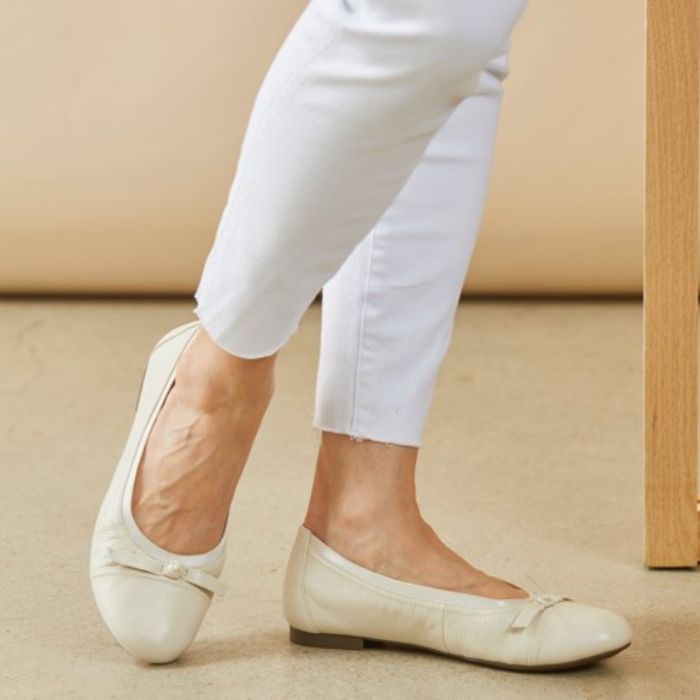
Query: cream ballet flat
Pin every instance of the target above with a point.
(153, 601)
(330, 601)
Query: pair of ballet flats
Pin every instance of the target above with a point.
(153, 601)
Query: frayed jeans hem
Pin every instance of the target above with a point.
(317, 429)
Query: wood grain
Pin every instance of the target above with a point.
(672, 54)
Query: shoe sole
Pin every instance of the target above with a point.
(344, 641)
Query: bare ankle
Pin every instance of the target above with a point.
(213, 379)
(363, 486)
(360, 514)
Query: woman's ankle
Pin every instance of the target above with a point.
(362, 488)
(211, 378)
(368, 522)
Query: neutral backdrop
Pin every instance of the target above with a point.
(121, 122)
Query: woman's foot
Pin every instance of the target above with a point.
(363, 505)
(198, 446)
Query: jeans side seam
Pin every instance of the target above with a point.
(361, 331)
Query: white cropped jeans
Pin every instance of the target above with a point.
(363, 173)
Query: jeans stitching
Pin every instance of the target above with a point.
(361, 331)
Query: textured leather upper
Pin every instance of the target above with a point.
(153, 601)
(324, 592)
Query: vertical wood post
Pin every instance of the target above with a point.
(670, 307)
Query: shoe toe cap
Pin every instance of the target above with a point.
(574, 631)
(152, 618)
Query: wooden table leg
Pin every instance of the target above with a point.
(670, 306)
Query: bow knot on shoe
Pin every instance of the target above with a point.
(171, 569)
(533, 608)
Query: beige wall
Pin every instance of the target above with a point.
(121, 122)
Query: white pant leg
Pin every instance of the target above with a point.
(350, 103)
(388, 313)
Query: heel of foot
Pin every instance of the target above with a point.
(330, 641)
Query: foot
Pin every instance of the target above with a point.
(198, 446)
(363, 505)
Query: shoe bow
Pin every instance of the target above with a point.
(533, 608)
(171, 569)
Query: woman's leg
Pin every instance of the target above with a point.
(344, 115)
(388, 312)
(387, 320)
(349, 105)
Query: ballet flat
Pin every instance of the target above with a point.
(153, 601)
(330, 601)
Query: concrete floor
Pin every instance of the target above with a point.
(531, 467)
